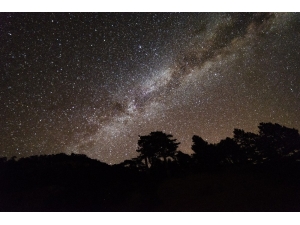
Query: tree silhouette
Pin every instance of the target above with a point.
(247, 143)
(276, 141)
(205, 154)
(134, 163)
(229, 152)
(183, 159)
(155, 146)
(199, 145)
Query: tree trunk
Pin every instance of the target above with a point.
(146, 162)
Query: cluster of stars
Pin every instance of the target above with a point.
(90, 83)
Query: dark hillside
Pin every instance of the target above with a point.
(77, 183)
(249, 172)
(61, 183)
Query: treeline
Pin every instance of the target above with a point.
(162, 178)
(159, 151)
(274, 142)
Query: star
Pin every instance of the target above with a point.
(91, 83)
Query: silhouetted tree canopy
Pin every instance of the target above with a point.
(199, 145)
(205, 154)
(134, 163)
(77, 183)
(276, 140)
(247, 142)
(156, 146)
(273, 142)
(182, 158)
(229, 152)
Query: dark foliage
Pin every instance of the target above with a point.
(156, 146)
(249, 172)
(276, 141)
(247, 143)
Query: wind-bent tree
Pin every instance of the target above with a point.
(156, 146)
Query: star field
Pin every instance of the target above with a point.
(90, 83)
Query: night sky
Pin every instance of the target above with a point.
(90, 83)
